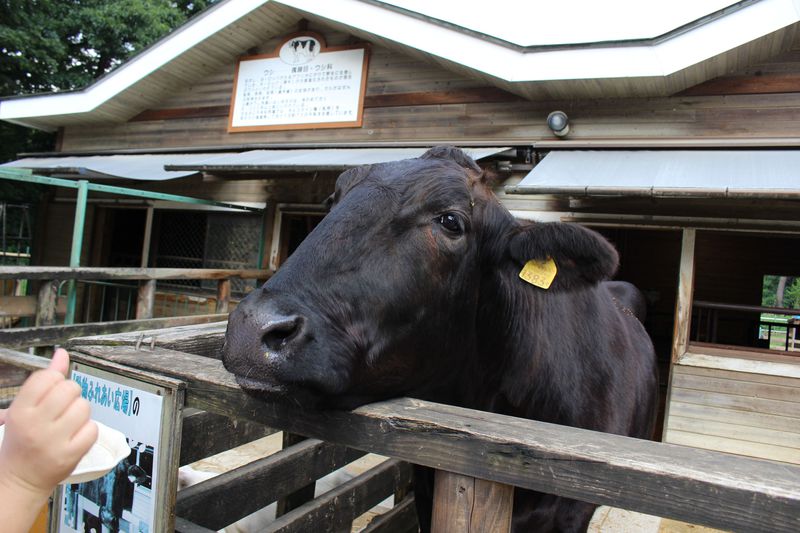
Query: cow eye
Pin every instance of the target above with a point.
(450, 222)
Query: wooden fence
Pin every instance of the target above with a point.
(44, 305)
(478, 456)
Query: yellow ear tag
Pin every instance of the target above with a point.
(539, 273)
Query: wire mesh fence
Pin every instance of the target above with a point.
(207, 240)
(15, 234)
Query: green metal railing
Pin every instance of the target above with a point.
(83, 187)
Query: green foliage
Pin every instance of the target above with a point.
(57, 45)
(791, 293)
(768, 290)
(791, 297)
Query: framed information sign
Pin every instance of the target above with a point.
(302, 85)
(137, 495)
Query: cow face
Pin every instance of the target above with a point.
(373, 303)
(390, 292)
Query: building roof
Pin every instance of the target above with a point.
(166, 166)
(769, 174)
(534, 49)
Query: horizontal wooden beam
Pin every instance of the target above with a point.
(53, 335)
(746, 84)
(182, 113)
(693, 485)
(402, 518)
(102, 273)
(184, 526)
(199, 339)
(335, 510)
(224, 499)
(23, 360)
(25, 306)
(205, 434)
(454, 96)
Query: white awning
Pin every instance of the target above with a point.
(334, 159)
(146, 167)
(159, 167)
(666, 173)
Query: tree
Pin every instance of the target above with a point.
(57, 45)
(792, 295)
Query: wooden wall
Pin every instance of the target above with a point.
(411, 100)
(730, 268)
(738, 412)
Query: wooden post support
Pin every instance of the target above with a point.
(146, 299)
(464, 503)
(223, 295)
(683, 307)
(46, 303)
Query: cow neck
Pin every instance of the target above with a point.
(531, 351)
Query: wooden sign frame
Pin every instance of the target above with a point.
(303, 84)
(154, 459)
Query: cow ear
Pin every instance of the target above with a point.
(454, 154)
(581, 256)
(346, 181)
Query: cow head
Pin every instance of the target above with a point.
(383, 298)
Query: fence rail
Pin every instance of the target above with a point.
(698, 486)
(45, 307)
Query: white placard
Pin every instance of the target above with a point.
(302, 85)
(123, 499)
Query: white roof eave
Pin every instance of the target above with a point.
(132, 71)
(578, 62)
(493, 59)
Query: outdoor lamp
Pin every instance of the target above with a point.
(558, 122)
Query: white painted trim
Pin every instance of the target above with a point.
(490, 58)
(182, 39)
(612, 61)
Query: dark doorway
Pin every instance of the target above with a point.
(650, 259)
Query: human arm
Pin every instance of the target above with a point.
(47, 431)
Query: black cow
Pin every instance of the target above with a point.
(410, 286)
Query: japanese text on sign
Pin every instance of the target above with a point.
(303, 85)
(110, 396)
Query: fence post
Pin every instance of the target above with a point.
(146, 299)
(463, 503)
(223, 295)
(46, 303)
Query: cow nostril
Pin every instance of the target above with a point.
(278, 333)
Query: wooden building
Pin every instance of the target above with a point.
(683, 148)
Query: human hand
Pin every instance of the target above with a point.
(47, 431)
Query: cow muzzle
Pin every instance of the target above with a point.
(260, 341)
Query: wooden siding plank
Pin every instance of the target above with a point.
(741, 432)
(743, 403)
(728, 445)
(736, 387)
(736, 416)
(749, 377)
(743, 361)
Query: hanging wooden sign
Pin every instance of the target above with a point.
(303, 85)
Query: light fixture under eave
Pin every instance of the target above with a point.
(558, 122)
